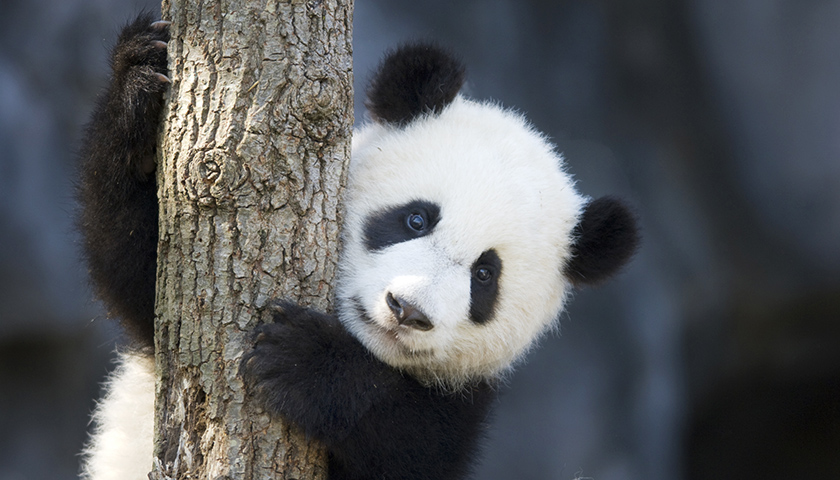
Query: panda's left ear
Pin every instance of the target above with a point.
(606, 237)
(414, 80)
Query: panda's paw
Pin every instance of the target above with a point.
(140, 53)
(286, 312)
(279, 366)
(134, 102)
(139, 57)
(265, 368)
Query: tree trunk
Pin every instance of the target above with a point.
(253, 156)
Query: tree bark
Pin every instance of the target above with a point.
(252, 163)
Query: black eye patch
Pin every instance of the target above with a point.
(484, 286)
(400, 224)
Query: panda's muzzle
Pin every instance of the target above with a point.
(407, 314)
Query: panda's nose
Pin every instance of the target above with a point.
(407, 314)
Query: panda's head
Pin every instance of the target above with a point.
(463, 232)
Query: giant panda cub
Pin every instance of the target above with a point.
(463, 238)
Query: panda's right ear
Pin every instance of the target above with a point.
(606, 237)
(414, 80)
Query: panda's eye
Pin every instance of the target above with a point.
(486, 272)
(483, 274)
(400, 223)
(416, 222)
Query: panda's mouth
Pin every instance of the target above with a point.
(389, 335)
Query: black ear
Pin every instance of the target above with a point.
(606, 238)
(414, 80)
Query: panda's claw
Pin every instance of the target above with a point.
(159, 43)
(278, 307)
(162, 78)
(287, 312)
(247, 364)
(160, 25)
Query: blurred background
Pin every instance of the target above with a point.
(716, 354)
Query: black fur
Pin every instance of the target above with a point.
(412, 81)
(484, 293)
(391, 226)
(117, 190)
(375, 421)
(606, 239)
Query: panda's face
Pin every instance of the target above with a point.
(458, 228)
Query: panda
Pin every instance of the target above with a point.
(463, 238)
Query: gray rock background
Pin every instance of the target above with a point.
(715, 355)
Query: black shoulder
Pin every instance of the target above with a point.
(416, 433)
(413, 80)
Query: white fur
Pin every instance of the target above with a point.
(122, 441)
(500, 185)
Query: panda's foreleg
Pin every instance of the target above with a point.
(117, 189)
(375, 421)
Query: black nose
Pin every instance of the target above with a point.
(407, 314)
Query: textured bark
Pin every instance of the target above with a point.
(252, 163)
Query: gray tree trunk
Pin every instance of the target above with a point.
(255, 144)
